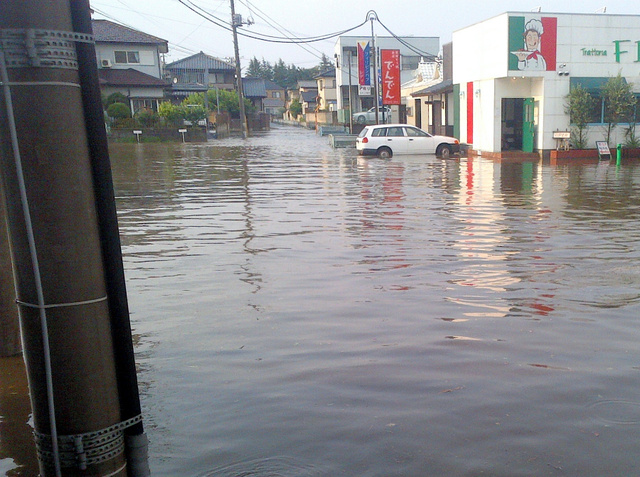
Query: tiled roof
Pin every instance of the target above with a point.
(129, 77)
(110, 32)
(254, 88)
(307, 84)
(270, 85)
(438, 88)
(200, 61)
(309, 96)
(328, 73)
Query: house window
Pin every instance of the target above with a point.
(127, 57)
(277, 94)
(410, 62)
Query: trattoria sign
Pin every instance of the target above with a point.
(619, 50)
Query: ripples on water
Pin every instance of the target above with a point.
(301, 311)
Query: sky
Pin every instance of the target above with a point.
(189, 33)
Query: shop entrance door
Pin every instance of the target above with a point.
(527, 125)
(517, 124)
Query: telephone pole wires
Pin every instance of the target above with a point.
(236, 21)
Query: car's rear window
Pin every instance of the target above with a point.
(363, 133)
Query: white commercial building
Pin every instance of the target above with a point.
(412, 49)
(512, 74)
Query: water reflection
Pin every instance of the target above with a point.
(17, 448)
(301, 310)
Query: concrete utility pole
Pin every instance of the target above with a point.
(64, 284)
(374, 53)
(236, 21)
(9, 321)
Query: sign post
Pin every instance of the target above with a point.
(603, 150)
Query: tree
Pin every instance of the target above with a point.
(255, 69)
(295, 108)
(172, 114)
(619, 103)
(579, 106)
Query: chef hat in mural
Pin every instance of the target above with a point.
(535, 25)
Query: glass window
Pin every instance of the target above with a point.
(126, 57)
(363, 133)
(121, 57)
(379, 132)
(395, 131)
(410, 62)
(415, 132)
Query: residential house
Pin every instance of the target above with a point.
(129, 63)
(308, 90)
(327, 92)
(276, 99)
(198, 73)
(254, 90)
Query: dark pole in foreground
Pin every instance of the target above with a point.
(57, 247)
(136, 443)
(9, 321)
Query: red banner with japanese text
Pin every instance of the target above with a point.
(390, 60)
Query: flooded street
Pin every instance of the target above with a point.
(302, 311)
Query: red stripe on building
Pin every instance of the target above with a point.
(549, 41)
(470, 113)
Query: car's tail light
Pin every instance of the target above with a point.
(456, 142)
(365, 140)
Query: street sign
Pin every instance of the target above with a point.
(364, 90)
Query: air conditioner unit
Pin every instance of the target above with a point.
(105, 63)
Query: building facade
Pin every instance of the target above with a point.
(412, 50)
(129, 62)
(512, 74)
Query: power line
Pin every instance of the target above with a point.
(259, 36)
(429, 56)
(268, 19)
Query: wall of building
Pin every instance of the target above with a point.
(586, 45)
(149, 58)
(345, 48)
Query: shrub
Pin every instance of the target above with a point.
(118, 111)
(172, 114)
(147, 118)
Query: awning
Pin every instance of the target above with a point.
(591, 84)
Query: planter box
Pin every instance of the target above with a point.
(575, 154)
(591, 154)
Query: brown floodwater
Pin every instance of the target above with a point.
(302, 311)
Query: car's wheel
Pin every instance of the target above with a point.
(385, 153)
(361, 120)
(443, 151)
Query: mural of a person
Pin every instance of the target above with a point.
(530, 57)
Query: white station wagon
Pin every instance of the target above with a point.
(385, 140)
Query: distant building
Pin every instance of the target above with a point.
(308, 95)
(254, 90)
(432, 106)
(327, 91)
(198, 73)
(276, 99)
(129, 63)
(412, 50)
